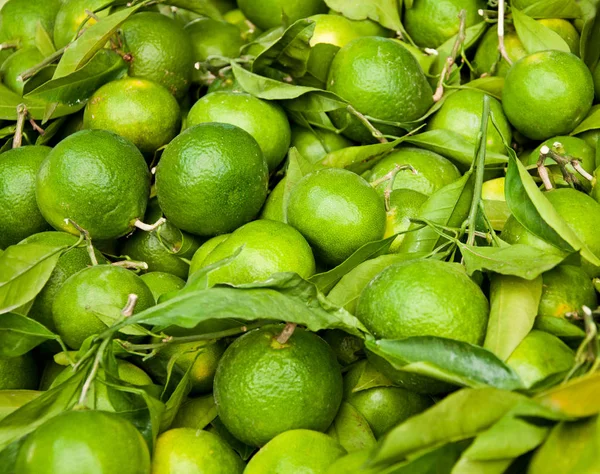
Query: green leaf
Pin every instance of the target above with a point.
(201, 7)
(351, 430)
(297, 168)
(590, 33)
(591, 122)
(9, 101)
(577, 398)
(559, 327)
(19, 334)
(448, 206)
(492, 85)
(176, 399)
(384, 12)
(43, 41)
(519, 260)
(369, 378)
(359, 158)
(448, 360)
(50, 131)
(472, 35)
(24, 270)
(513, 307)
(535, 36)
(92, 40)
(196, 413)
(460, 416)
(553, 9)
(437, 461)
(79, 86)
(327, 280)
(283, 297)
(534, 212)
(109, 315)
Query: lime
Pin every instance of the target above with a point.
(432, 171)
(298, 451)
(20, 216)
(565, 290)
(273, 208)
(431, 22)
(12, 400)
(84, 441)
(547, 93)
(98, 180)
(353, 463)
(204, 250)
(565, 30)
(17, 63)
(19, 373)
(139, 110)
(189, 451)
(211, 179)
(264, 387)
(162, 282)
(314, 144)
(487, 58)
(265, 121)
(94, 296)
(405, 205)
(337, 211)
(596, 77)
(540, 355)
(70, 17)
(494, 202)
(384, 406)
(161, 51)
(461, 113)
(380, 78)
(20, 19)
(214, 38)
(267, 247)
(271, 13)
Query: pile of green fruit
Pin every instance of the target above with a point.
(299, 236)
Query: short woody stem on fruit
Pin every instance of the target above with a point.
(460, 39)
(501, 47)
(88, 240)
(389, 178)
(131, 265)
(562, 161)
(286, 333)
(149, 227)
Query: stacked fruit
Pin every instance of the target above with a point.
(302, 236)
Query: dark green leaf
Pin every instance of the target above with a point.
(591, 122)
(19, 334)
(519, 260)
(9, 101)
(437, 461)
(50, 131)
(177, 397)
(79, 86)
(449, 360)
(513, 307)
(351, 430)
(8, 457)
(535, 36)
(590, 33)
(359, 158)
(24, 270)
(384, 12)
(7, 131)
(553, 9)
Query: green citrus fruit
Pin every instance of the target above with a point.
(540, 355)
(424, 298)
(385, 406)
(431, 22)
(298, 451)
(596, 77)
(337, 211)
(214, 38)
(565, 290)
(461, 113)
(185, 450)
(273, 208)
(380, 78)
(316, 143)
(84, 441)
(494, 202)
(211, 179)
(271, 13)
(204, 250)
(20, 19)
(98, 290)
(137, 109)
(404, 206)
(19, 373)
(487, 58)
(264, 387)
(98, 180)
(565, 30)
(19, 62)
(12, 400)
(433, 171)
(547, 93)
(69, 263)
(347, 348)
(265, 121)
(161, 51)
(20, 216)
(162, 282)
(267, 247)
(70, 17)
(356, 462)
(579, 211)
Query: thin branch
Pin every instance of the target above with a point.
(460, 39)
(365, 121)
(21, 116)
(501, 46)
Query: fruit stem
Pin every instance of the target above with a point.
(460, 39)
(87, 238)
(9, 45)
(501, 46)
(479, 162)
(21, 116)
(48, 60)
(149, 227)
(286, 333)
(376, 133)
(562, 161)
(390, 178)
(131, 264)
(588, 350)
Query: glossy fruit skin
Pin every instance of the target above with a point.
(139, 110)
(297, 451)
(211, 179)
(539, 355)
(433, 170)
(541, 109)
(71, 15)
(380, 78)
(315, 144)
(265, 121)
(97, 179)
(189, 451)
(461, 113)
(431, 22)
(566, 289)
(270, 13)
(268, 247)
(161, 49)
(162, 282)
(19, 19)
(337, 212)
(104, 443)
(424, 298)
(204, 250)
(101, 287)
(263, 388)
(19, 373)
(214, 38)
(487, 58)
(17, 63)
(20, 216)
